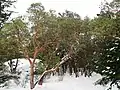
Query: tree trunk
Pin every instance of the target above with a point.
(15, 68)
(63, 60)
(11, 65)
(32, 76)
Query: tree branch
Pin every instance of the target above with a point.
(64, 59)
(27, 56)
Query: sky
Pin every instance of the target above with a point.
(82, 7)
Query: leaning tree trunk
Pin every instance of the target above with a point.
(63, 60)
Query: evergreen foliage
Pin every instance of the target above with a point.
(94, 43)
(4, 12)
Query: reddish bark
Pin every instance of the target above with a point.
(32, 76)
(40, 81)
(36, 51)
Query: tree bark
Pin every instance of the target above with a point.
(15, 68)
(32, 76)
(64, 59)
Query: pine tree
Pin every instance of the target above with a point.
(107, 58)
(5, 14)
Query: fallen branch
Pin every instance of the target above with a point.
(64, 59)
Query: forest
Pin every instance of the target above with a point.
(59, 43)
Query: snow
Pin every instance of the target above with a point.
(70, 83)
(66, 82)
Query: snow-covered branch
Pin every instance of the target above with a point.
(63, 60)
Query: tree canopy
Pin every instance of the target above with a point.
(93, 44)
(4, 12)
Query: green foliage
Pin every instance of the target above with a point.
(4, 13)
(106, 60)
(12, 35)
(61, 34)
(108, 63)
(94, 43)
(5, 75)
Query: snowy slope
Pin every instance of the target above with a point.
(68, 83)
(71, 83)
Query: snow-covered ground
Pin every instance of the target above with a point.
(68, 82)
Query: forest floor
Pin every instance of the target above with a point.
(66, 82)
